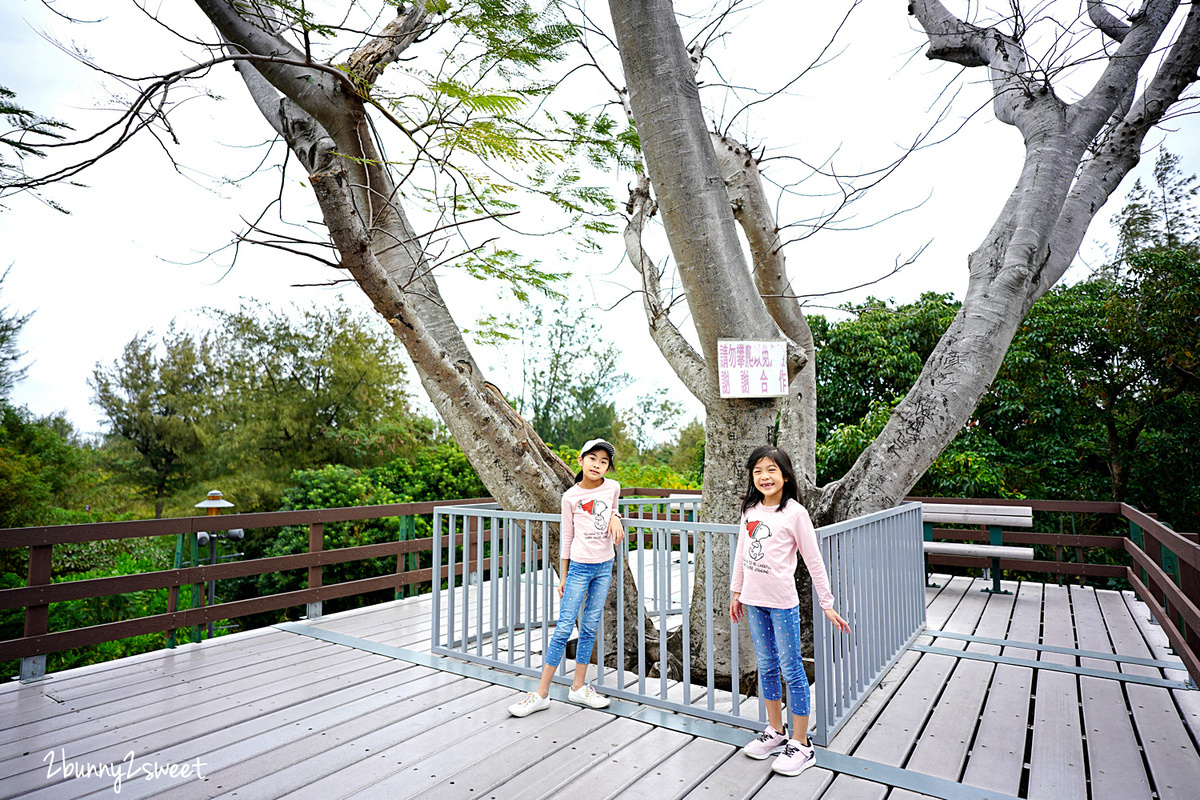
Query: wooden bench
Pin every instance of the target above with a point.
(994, 518)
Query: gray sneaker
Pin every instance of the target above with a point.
(530, 703)
(766, 743)
(587, 696)
(794, 759)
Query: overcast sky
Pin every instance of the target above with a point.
(131, 256)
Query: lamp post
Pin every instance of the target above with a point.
(212, 506)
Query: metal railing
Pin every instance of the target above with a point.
(875, 569)
(877, 575)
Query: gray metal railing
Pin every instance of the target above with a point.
(500, 606)
(877, 575)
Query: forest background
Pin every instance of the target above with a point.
(307, 407)
(300, 408)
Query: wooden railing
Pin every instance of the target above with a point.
(39, 592)
(1164, 571)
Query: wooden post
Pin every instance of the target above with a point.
(409, 562)
(316, 543)
(173, 591)
(37, 618)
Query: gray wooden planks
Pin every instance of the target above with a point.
(614, 776)
(944, 744)
(679, 773)
(560, 766)
(997, 759)
(1172, 758)
(1056, 764)
(1116, 768)
(329, 738)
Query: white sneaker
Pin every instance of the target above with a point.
(587, 696)
(766, 743)
(794, 759)
(530, 703)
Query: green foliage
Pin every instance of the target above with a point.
(290, 391)
(1094, 368)
(39, 469)
(310, 387)
(686, 453)
(27, 137)
(970, 467)
(158, 408)
(633, 474)
(74, 614)
(653, 414)
(1161, 217)
(875, 356)
(11, 324)
(569, 377)
(438, 472)
(477, 113)
(334, 487)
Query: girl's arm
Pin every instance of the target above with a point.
(736, 612)
(566, 532)
(563, 566)
(735, 581)
(810, 551)
(616, 531)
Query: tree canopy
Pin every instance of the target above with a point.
(414, 128)
(262, 394)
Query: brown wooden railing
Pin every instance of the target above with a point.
(39, 592)
(1165, 571)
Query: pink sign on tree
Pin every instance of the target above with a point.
(752, 368)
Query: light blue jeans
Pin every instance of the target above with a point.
(586, 586)
(776, 635)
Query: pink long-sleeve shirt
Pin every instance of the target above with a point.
(585, 514)
(765, 564)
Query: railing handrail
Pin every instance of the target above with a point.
(1168, 595)
(129, 529)
(825, 531)
(658, 521)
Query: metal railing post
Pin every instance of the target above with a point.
(436, 578)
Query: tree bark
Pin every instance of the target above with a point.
(319, 117)
(1059, 191)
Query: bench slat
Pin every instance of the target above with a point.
(978, 515)
(978, 550)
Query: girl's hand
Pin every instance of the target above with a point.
(736, 612)
(836, 618)
(561, 586)
(615, 530)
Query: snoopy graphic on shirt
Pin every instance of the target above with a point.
(596, 508)
(758, 532)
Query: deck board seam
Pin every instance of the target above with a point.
(1050, 666)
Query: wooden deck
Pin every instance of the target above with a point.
(281, 713)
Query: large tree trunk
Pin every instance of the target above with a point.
(725, 303)
(324, 122)
(1076, 156)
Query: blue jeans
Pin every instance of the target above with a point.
(586, 585)
(776, 635)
